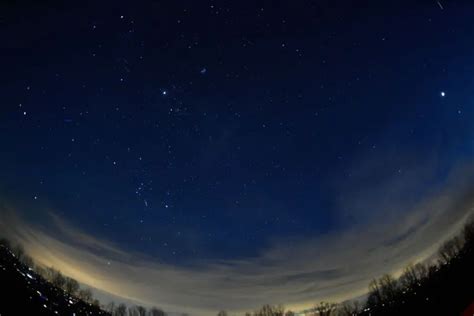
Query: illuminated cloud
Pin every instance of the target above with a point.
(296, 272)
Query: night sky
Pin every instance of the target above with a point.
(200, 155)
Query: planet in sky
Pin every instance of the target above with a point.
(221, 155)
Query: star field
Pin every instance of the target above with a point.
(209, 130)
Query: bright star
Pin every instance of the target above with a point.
(443, 94)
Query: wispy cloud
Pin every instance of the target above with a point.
(296, 272)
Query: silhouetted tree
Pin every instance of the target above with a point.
(141, 310)
(222, 313)
(349, 309)
(433, 289)
(372, 301)
(421, 271)
(137, 310)
(432, 270)
(389, 287)
(49, 273)
(413, 275)
(382, 291)
(41, 271)
(409, 277)
(85, 295)
(28, 261)
(374, 297)
(269, 310)
(450, 249)
(289, 313)
(57, 279)
(325, 308)
(156, 312)
(18, 251)
(132, 311)
(121, 310)
(71, 286)
(110, 308)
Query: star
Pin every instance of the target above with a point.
(259, 130)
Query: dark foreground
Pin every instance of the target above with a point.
(23, 292)
(446, 288)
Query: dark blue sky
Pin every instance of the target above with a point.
(207, 129)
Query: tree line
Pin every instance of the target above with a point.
(73, 288)
(387, 295)
(420, 287)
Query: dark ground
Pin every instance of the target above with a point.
(447, 290)
(23, 292)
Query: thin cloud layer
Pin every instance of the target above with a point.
(296, 272)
